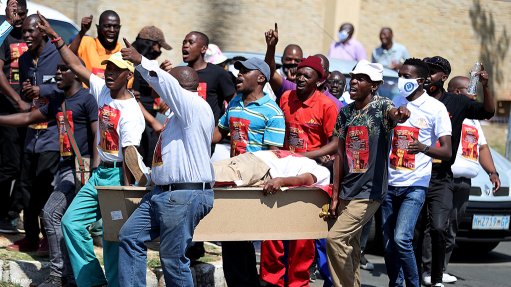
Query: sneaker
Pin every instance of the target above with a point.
(426, 279)
(23, 245)
(7, 226)
(44, 249)
(135, 164)
(448, 278)
(365, 264)
(52, 281)
(439, 285)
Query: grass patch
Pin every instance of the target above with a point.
(13, 255)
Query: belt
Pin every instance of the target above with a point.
(185, 185)
(111, 164)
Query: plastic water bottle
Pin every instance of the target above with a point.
(474, 78)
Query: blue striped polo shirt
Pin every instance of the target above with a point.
(254, 127)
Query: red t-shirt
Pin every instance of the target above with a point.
(309, 124)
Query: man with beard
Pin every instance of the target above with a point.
(11, 138)
(255, 123)
(93, 51)
(41, 157)
(440, 194)
(291, 57)
(121, 124)
(81, 111)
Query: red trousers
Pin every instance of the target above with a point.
(286, 263)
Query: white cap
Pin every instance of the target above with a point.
(373, 70)
(214, 55)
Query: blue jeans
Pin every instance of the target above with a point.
(171, 215)
(400, 209)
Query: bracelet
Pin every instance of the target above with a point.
(426, 149)
(492, 173)
(56, 40)
(62, 45)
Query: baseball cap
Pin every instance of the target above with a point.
(255, 64)
(439, 62)
(314, 63)
(214, 55)
(117, 60)
(154, 33)
(373, 70)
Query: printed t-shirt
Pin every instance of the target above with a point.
(216, 86)
(284, 163)
(467, 158)
(309, 124)
(81, 110)
(366, 133)
(121, 122)
(428, 122)
(254, 127)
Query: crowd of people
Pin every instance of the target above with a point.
(97, 111)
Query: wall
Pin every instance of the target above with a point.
(463, 31)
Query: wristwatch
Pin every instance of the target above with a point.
(492, 173)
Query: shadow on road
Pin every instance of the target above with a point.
(475, 258)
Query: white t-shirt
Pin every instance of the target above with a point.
(467, 157)
(121, 122)
(346, 97)
(283, 163)
(429, 120)
(182, 153)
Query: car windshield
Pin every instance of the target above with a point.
(64, 29)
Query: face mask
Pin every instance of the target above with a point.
(153, 55)
(407, 86)
(432, 87)
(343, 35)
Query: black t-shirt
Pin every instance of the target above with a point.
(215, 85)
(10, 51)
(140, 85)
(82, 109)
(459, 108)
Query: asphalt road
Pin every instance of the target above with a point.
(492, 269)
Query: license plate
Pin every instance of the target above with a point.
(490, 222)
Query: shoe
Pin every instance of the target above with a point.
(7, 226)
(135, 164)
(44, 249)
(52, 281)
(23, 245)
(448, 278)
(439, 285)
(426, 279)
(365, 264)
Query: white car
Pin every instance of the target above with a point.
(486, 220)
(64, 26)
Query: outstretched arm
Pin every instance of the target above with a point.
(272, 38)
(75, 44)
(67, 55)
(23, 119)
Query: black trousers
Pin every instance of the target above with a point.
(9, 166)
(36, 180)
(239, 263)
(435, 221)
(461, 193)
